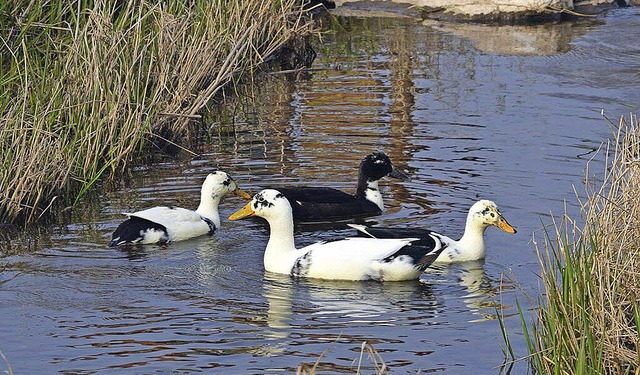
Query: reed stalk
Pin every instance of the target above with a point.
(85, 85)
(377, 365)
(588, 316)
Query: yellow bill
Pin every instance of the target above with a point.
(245, 211)
(505, 226)
(241, 193)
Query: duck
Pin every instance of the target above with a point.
(352, 259)
(162, 224)
(316, 204)
(469, 247)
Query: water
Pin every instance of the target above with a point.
(464, 119)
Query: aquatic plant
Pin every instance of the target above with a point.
(377, 365)
(85, 85)
(9, 370)
(588, 317)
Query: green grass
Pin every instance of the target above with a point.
(587, 318)
(85, 85)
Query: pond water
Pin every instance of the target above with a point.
(494, 118)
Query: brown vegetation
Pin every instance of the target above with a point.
(588, 318)
(83, 85)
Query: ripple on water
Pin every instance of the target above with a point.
(464, 124)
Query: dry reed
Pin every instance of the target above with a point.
(83, 85)
(366, 349)
(588, 318)
(612, 213)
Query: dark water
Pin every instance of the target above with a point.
(462, 117)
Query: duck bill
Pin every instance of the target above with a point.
(245, 211)
(399, 175)
(505, 226)
(241, 193)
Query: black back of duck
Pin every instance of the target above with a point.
(322, 204)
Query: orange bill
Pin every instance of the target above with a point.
(502, 224)
(245, 211)
(239, 192)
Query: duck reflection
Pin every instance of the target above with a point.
(279, 293)
(368, 302)
(481, 289)
(137, 252)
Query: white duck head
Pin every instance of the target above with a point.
(482, 214)
(214, 188)
(272, 205)
(485, 213)
(269, 204)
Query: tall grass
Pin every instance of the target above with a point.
(588, 319)
(84, 84)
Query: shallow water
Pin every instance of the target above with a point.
(463, 118)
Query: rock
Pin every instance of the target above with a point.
(501, 11)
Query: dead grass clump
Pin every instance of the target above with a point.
(612, 213)
(83, 85)
(588, 319)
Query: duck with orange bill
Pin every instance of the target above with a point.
(169, 224)
(355, 258)
(470, 246)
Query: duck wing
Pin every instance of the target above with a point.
(321, 203)
(139, 230)
(367, 259)
(426, 238)
(423, 251)
(168, 216)
(180, 223)
(388, 232)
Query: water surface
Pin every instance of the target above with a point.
(465, 119)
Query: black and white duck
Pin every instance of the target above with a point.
(311, 204)
(470, 246)
(169, 224)
(355, 258)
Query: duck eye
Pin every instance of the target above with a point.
(493, 215)
(259, 202)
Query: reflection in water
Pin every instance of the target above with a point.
(481, 291)
(312, 312)
(373, 302)
(465, 124)
(352, 302)
(279, 294)
(535, 40)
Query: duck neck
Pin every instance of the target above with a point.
(208, 208)
(369, 190)
(472, 240)
(281, 249)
